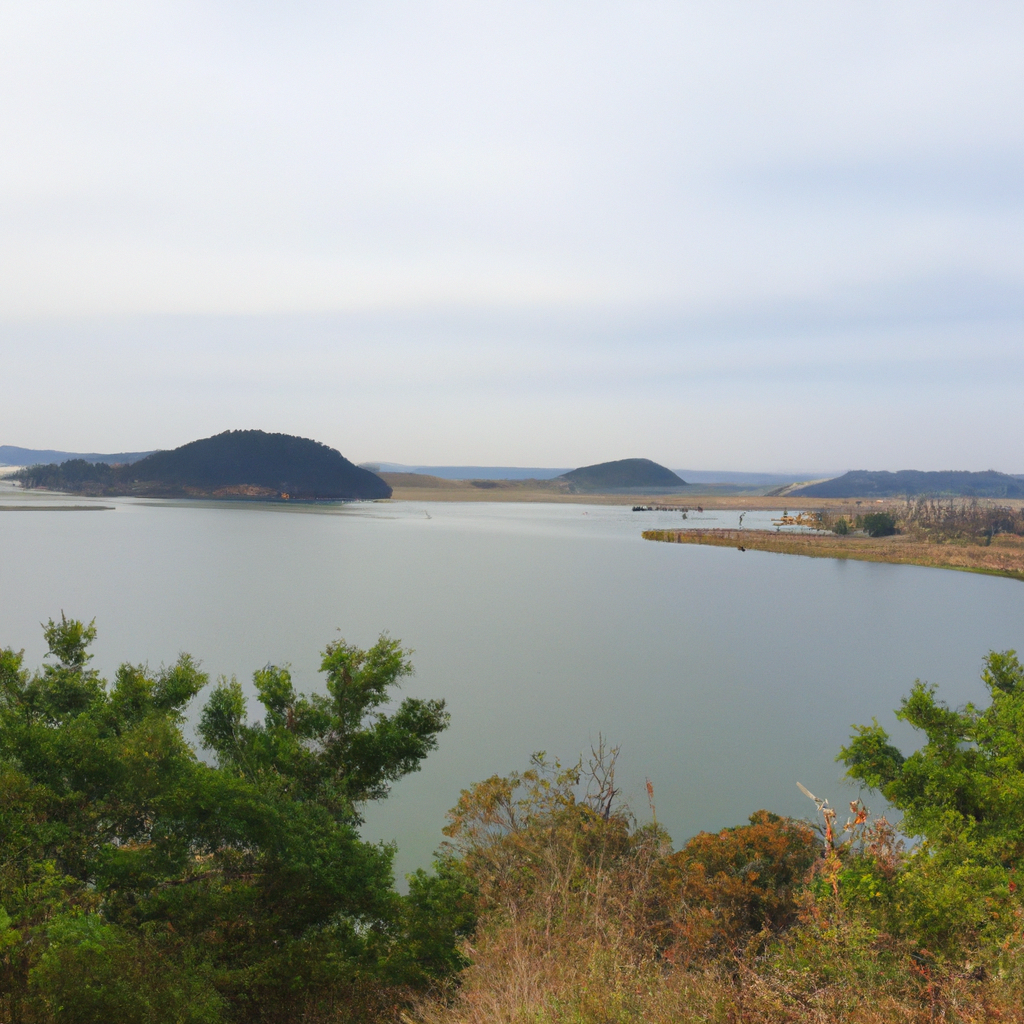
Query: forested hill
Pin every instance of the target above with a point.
(636, 475)
(911, 482)
(237, 463)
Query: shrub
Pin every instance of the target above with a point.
(724, 887)
(879, 524)
(961, 791)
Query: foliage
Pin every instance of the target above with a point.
(878, 524)
(551, 829)
(952, 521)
(962, 791)
(135, 878)
(726, 886)
(72, 475)
(141, 884)
(763, 923)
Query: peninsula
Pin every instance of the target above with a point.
(235, 464)
(968, 535)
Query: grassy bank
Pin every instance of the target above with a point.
(1003, 556)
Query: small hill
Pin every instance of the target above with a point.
(861, 483)
(237, 463)
(634, 475)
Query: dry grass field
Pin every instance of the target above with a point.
(421, 487)
(1003, 556)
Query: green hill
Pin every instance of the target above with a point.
(629, 475)
(237, 463)
(911, 483)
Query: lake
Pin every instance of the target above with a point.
(725, 676)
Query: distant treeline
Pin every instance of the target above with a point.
(861, 483)
(242, 463)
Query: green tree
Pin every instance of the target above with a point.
(879, 524)
(240, 889)
(963, 793)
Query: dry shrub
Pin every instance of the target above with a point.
(724, 888)
(958, 520)
(588, 919)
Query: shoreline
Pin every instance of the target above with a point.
(1003, 557)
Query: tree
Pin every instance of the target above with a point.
(963, 793)
(879, 524)
(234, 888)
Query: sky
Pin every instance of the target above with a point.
(743, 236)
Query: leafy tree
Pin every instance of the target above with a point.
(879, 524)
(132, 870)
(963, 793)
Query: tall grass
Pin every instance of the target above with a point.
(588, 918)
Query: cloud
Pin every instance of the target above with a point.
(551, 221)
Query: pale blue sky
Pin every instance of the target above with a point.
(743, 236)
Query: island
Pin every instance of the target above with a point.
(244, 464)
(622, 476)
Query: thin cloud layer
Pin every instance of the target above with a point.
(534, 233)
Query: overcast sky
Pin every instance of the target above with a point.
(740, 235)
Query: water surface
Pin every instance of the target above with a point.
(725, 676)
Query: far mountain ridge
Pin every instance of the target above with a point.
(861, 483)
(11, 455)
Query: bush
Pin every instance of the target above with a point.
(725, 887)
(961, 792)
(842, 527)
(94, 973)
(879, 524)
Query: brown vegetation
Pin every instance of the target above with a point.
(422, 487)
(587, 918)
(967, 535)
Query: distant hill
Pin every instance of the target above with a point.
(237, 463)
(639, 475)
(911, 483)
(12, 456)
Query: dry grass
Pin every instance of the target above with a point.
(581, 923)
(1004, 556)
(514, 980)
(420, 487)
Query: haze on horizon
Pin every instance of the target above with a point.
(741, 237)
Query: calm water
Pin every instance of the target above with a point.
(726, 677)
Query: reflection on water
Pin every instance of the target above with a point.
(726, 677)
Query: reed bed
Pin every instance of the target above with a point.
(1002, 555)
